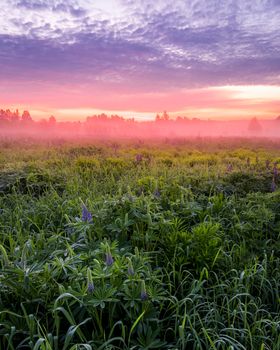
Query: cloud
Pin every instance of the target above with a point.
(140, 47)
(71, 7)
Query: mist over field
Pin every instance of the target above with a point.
(115, 127)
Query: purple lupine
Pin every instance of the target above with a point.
(275, 171)
(229, 168)
(157, 193)
(143, 293)
(109, 260)
(273, 185)
(138, 158)
(86, 215)
(90, 287)
(130, 269)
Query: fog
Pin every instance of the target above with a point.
(103, 127)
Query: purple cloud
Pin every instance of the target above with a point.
(55, 6)
(145, 47)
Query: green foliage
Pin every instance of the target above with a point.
(174, 250)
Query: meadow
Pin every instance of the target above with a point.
(140, 245)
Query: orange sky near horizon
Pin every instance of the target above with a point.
(224, 102)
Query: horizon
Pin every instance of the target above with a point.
(201, 60)
(131, 116)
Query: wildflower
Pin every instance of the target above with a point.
(86, 215)
(90, 287)
(138, 158)
(130, 269)
(109, 258)
(143, 294)
(273, 185)
(136, 252)
(157, 193)
(229, 168)
(275, 171)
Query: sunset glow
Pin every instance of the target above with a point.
(200, 59)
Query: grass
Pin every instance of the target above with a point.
(177, 248)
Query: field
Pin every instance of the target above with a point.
(122, 245)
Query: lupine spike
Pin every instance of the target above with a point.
(90, 288)
(157, 193)
(138, 158)
(90, 285)
(229, 168)
(273, 185)
(109, 260)
(86, 215)
(136, 251)
(143, 294)
(130, 269)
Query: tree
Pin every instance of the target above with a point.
(254, 125)
(52, 120)
(26, 117)
(165, 116)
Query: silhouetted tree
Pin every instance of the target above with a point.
(165, 116)
(15, 116)
(26, 117)
(52, 120)
(254, 125)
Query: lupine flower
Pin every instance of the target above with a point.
(136, 252)
(143, 294)
(138, 158)
(130, 269)
(86, 215)
(157, 193)
(229, 168)
(109, 258)
(90, 287)
(273, 185)
(275, 171)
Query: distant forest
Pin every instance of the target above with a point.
(14, 123)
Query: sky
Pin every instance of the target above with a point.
(196, 58)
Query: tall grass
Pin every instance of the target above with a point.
(103, 249)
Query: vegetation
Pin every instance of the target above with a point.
(139, 246)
